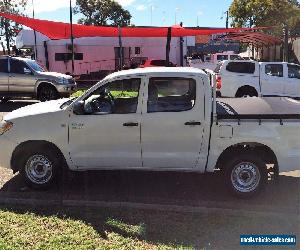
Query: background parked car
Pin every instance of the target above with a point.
(26, 78)
(251, 78)
(156, 63)
(211, 61)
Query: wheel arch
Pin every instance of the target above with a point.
(17, 153)
(41, 84)
(268, 154)
(246, 87)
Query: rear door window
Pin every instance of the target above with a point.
(3, 65)
(294, 71)
(274, 70)
(241, 67)
(171, 94)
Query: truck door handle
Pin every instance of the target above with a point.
(130, 124)
(193, 123)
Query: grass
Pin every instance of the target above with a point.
(78, 93)
(33, 231)
(116, 94)
(53, 228)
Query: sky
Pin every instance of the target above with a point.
(204, 13)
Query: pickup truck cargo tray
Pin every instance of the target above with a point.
(258, 108)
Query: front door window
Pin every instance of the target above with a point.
(118, 97)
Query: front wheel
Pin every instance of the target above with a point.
(4, 99)
(245, 175)
(39, 169)
(47, 93)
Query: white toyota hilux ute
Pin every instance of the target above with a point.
(250, 78)
(160, 119)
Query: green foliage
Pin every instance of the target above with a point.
(78, 93)
(102, 12)
(266, 13)
(115, 93)
(8, 29)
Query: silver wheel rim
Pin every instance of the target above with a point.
(245, 177)
(38, 169)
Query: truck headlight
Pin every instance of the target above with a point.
(5, 126)
(62, 81)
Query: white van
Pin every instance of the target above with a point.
(210, 61)
(251, 78)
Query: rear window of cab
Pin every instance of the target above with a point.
(241, 67)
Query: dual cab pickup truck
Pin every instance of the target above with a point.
(26, 78)
(160, 119)
(251, 78)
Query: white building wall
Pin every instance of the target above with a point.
(98, 52)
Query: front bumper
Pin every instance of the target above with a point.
(7, 149)
(66, 89)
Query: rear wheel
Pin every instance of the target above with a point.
(245, 175)
(47, 93)
(39, 168)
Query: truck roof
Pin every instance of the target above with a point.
(264, 62)
(157, 70)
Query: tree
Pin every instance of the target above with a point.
(9, 29)
(266, 13)
(102, 12)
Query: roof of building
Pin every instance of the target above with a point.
(256, 38)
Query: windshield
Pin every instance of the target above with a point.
(35, 66)
(77, 95)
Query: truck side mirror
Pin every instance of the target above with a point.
(78, 108)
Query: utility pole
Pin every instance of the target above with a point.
(34, 32)
(121, 48)
(227, 19)
(181, 48)
(72, 37)
(168, 46)
(286, 43)
(6, 28)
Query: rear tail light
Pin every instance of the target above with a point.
(219, 82)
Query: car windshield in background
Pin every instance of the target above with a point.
(35, 66)
(158, 63)
(222, 57)
(235, 57)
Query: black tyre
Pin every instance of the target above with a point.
(245, 175)
(4, 99)
(40, 168)
(47, 93)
